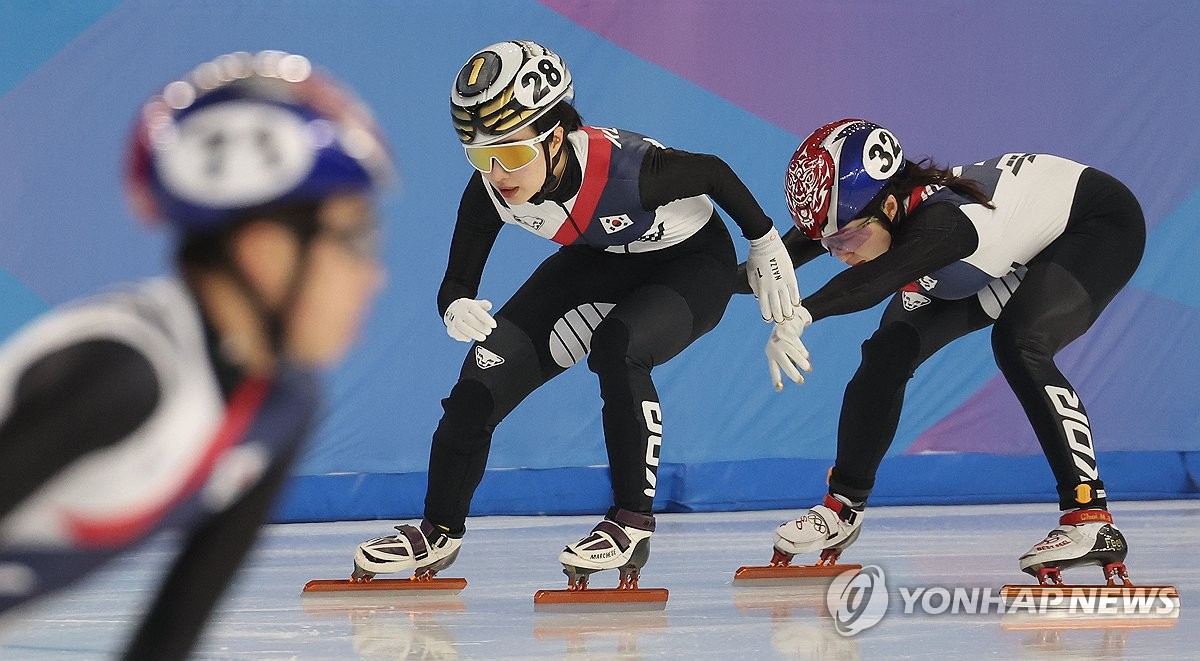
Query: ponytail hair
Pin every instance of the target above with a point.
(925, 173)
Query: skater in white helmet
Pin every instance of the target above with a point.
(645, 267)
(180, 403)
(1032, 245)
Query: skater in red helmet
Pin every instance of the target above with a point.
(645, 267)
(179, 403)
(1032, 245)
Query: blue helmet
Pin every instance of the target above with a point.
(249, 131)
(837, 171)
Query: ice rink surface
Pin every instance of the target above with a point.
(507, 559)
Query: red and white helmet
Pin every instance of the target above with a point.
(837, 171)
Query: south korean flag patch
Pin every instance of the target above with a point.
(614, 224)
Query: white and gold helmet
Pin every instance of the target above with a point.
(505, 87)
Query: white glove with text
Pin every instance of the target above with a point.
(786, 353)
(468, 320)
(772, 277)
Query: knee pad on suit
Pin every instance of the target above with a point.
(465, 426)
(610, 347)
(1017, 347)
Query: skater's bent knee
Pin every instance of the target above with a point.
(469, 409)
(610, 348)
(1013, 345)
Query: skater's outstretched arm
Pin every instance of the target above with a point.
(939, 236)
(672, 174)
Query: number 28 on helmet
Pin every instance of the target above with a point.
(505, 87)
(837, 171)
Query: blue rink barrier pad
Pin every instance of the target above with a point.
(758, 484)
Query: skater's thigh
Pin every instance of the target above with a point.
(682, 300)
(1104, 240)
(931, 323)
(1051, 308)
(554, 314)
(1070, 283)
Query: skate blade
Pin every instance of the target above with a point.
(599, 600)
(435, 585)
(794, 575)
(1089, 606)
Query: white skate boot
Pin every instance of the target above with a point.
(621, 541)
(1083, 537)
(425, 550)
(828, 528)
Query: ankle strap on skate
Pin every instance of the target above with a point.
(844, 510)
(1084, 516)
(416, 540)
(631, 519)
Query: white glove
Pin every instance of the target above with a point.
(785, 351)
(772, 277)
(468, 320)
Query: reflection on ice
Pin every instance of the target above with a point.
(707, 617)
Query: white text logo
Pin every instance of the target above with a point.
(653, 415)
(1075, 424)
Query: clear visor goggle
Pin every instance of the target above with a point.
(849, 239)
(511, 156)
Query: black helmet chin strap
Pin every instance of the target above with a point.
(303, 223)
(552, 180)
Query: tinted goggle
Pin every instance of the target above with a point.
(361, 241)
(849, 239)
(511, 156)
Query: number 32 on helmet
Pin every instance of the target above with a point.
(837, 171)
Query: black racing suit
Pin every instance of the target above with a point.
(630, 303)
(1093, 251)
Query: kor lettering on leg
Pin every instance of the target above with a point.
(1079, 433)
(653, 415)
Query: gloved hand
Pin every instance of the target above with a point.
(772, 277)
(785, 351)
(468, 320)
